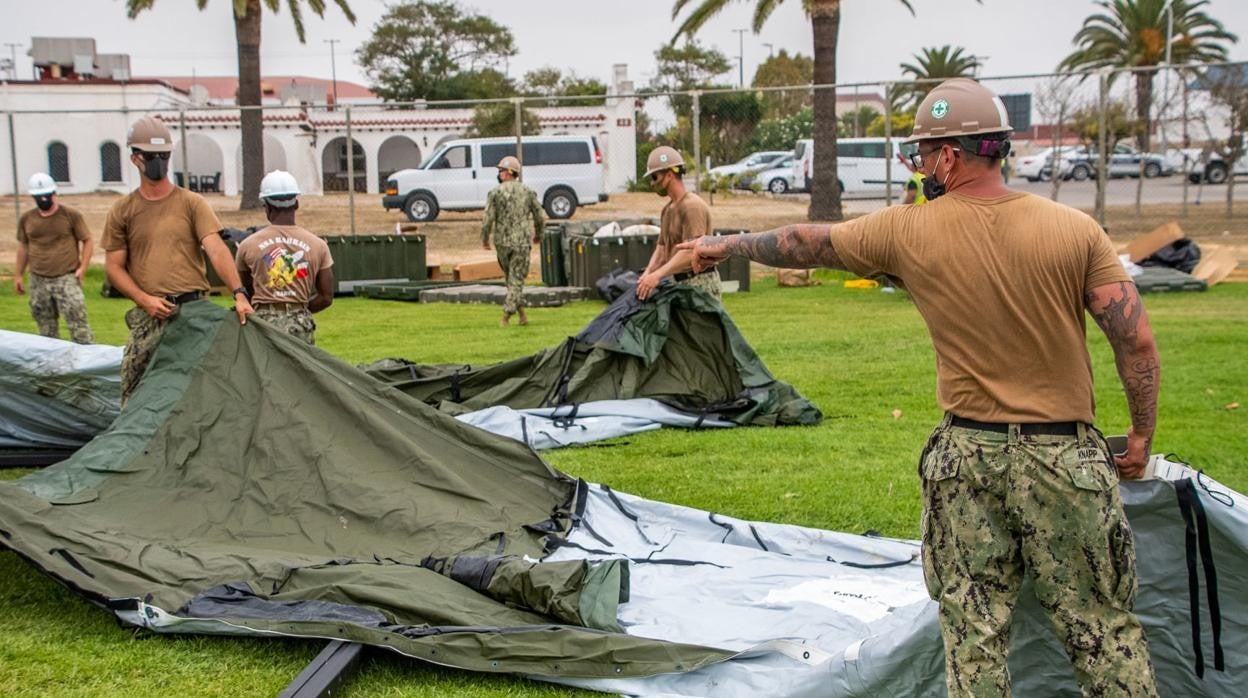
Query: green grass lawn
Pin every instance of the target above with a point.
(859, 355)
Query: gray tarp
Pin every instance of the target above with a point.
(858, 605)
(53, 393)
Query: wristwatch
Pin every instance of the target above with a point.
(242, 290)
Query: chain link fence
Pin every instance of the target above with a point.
(1079, 138)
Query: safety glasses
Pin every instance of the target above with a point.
(148, 157)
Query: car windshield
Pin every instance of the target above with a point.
(429, 160)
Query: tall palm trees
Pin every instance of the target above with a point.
(1132, 33)
(934, 64)
(825, 17)
(247, 36)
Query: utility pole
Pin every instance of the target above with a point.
(771, 50)
(741, 56)
(13, 58)
(333, 68)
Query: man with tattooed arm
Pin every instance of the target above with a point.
(1016, 480)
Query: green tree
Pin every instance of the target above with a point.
(825, 15)
(422, 49)
(247, 14)
(728, 123)
(903, 123)
(688, 67)
(854, 123)
(783, 70)
(784, 132)
(551, 82)
(499, 119)
(1132, 34)
(1228, 89)
(1086, 122)
(935, 64)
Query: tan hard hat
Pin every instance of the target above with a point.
(663, 158)
(510, 163)
(959, 107)
(150, 135)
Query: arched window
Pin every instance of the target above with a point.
(58, 161)
(110, 162)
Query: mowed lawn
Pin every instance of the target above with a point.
(861, 356)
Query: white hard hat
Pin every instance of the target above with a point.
(279, 188)
(40, 184)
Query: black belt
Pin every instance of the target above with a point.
(185, 297)
(1045, 429)
(686, 275)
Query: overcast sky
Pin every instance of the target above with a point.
(588, 36)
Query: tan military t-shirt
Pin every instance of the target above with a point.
(52, 241)
(162, 240)
(686, 219)
(1000, 284)
(283, 261)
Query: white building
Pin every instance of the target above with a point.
(75, 130)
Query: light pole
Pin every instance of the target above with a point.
(333, 68)
(741, 56)
(1165, 82)
(771, 50)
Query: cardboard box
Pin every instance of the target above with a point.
(1145, 245)
(475, 271)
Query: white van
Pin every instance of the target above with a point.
(565, 171)
(860, 165)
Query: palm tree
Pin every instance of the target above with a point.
(825, 15)
(1132, 34)
(247, 36)
(936, 64)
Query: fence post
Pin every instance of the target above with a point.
(697, 140)
(1102, 175)
(519, 103)
(186, 165)
(888, 145)
(17, 200)
(350, 171)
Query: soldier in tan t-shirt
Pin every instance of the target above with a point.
(287, 270)
(152, 240)
(1016, 480)
(48, 239)
(685, 217)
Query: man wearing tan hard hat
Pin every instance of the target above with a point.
(1016, 480)
(511, 211)
(152, 243)
(685, 217)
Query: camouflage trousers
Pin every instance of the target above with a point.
(515, 264)
(708, 282)
(998, 504)
(292, 319)
(145, 332)
(59, 296)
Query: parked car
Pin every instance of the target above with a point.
(1125, 160)
(1214, 170)
(753, 161)
(861, 164)
(777, 178)
(565, 171)
(1039, 165)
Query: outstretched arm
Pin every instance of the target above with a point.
(802, 246)
(1119, 312)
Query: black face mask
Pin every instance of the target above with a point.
(500, 178)
(43, 202)
(932, 188)
(156, 169)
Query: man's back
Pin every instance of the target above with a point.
(513, 214)
(283, 261)
(1000, 284)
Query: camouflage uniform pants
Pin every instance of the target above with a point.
(708, 282)
(997, 504)
(515, 264)
(53, 296)
(293, 320)
(145, 332)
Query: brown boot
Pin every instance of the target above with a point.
(524, 319)
(505, 321)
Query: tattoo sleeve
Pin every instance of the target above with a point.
(792, 247)
(1120, 314)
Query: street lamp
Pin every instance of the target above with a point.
(741, 56)
(1165, 77)
(771, 50)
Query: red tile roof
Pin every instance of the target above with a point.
(225, 87)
